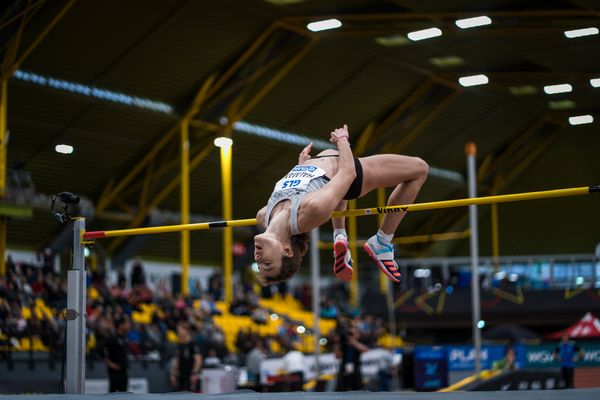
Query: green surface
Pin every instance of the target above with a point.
(15, 211)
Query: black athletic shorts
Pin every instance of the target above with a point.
(356, 186)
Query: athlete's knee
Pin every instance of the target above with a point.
(422, 167)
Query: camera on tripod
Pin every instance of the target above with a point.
(68, 199)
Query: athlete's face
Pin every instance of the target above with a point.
(268, 252)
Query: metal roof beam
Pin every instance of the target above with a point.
(9, 70)
(411, 16)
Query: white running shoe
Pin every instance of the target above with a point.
(383, 255)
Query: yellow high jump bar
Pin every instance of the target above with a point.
(434, 205)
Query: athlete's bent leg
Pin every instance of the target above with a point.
(342, 259)
(407, 174)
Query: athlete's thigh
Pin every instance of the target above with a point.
(387, 170)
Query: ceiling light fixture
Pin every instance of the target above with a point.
(324, 25)
(424, 34)
(473, 22)
(94, 92)
(446, 61)
(223, 142)
(581, 119)
(560, 88)
(595, 82)
(63, 149)
(473, 80)
(392, 40)
(562, 104)
(581, 32)
(524, 90)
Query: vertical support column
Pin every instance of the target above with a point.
(227, 216)
(3, 143)
(3, 135)
(353, 250)
(383, 280)
(75, 374)
(385, 285)
(185, 205)
(471, 151)
(315, 271)
(3, 223)
(495, 238)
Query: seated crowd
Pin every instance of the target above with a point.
(33, 297)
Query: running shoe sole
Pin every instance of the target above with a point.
(341, 269)
(381, 265)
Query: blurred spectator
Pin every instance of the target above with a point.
(259, 315)
(207, 304)
(282, 288)
(508, 363)
(568, 353)
(329, 310)
(350, 348)
(303, 294)
(187, 362)
(134, 340)
(196, 289)
(215, 285)
(253, 361)
(212, 360)
(287, 336)
(115, 356)
(385, 371)
(239, 304)
(294, 363)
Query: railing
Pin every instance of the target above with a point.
(537, 272)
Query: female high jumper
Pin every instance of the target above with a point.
(305, 198)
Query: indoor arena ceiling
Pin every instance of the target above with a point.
(114, 79)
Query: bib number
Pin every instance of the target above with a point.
(291, 184)
(299, 177)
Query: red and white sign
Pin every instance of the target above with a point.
(588, 326)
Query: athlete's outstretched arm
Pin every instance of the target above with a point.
(322, 202)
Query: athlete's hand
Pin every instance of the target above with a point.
(339, 133)
(305, 154)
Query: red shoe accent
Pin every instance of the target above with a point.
(341, 268)
(388, 267)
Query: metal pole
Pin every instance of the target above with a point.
(3, 144)
(75, 374)
(391, 309)
(495, 238)
(471, 151)
(385, 285)
(3, 222)
(315, 271)
(383, 280)
(352, 235)
(3, 134)
(185, 206)
(227, 215)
